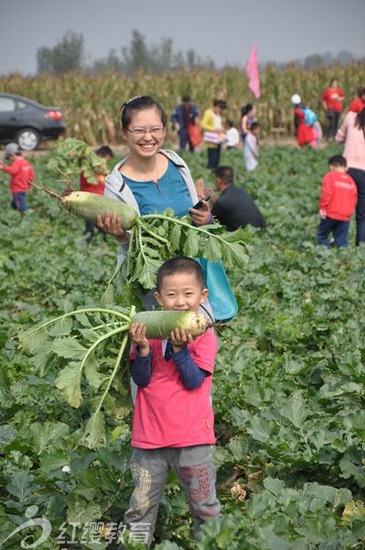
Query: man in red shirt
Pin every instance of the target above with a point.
(358, 104)
(337, 203)
(22, 176)
(332, 99)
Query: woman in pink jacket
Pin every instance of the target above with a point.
(352, 134)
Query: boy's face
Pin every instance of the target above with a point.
(181, 292)
(337, 168)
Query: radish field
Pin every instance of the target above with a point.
(288, 385)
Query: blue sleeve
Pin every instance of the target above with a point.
(142, 369)
(191, 376)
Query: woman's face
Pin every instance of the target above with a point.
(145, 133)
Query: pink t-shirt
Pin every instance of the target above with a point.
(354, 140)
(166, 414)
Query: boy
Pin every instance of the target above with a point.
(173, 417)
(251, 147)
(22, 177)
(337, 203)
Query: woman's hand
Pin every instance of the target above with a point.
(137, 334)
(112, 225)
(202, 216)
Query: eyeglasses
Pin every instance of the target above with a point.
(156, 131)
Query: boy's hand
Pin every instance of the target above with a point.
(137, 334)
(323, 214)
(179, 339)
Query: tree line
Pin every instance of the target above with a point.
(69, 55)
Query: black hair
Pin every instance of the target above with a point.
(180, 264)
(360, 121)
(230, 123)
(254, 125)
(186, 98)
(246, 109)
(337, 160)
(220, 103)
(138, 103)
(225, 173)
(104, 151)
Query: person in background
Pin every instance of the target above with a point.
(182, 116)
(214, 134)
(107, 154)
(337, 203)
(358, 103)
(352, 134)
(305, 134)
(248, 116)
(251, 147)
(332, 98)
(22, 176)
(233, 208)
(173, 419)
(232, 135)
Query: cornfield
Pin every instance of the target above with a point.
(91, 103)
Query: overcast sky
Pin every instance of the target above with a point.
(224, 30)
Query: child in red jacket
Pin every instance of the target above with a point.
(22, 176)
(337, 203)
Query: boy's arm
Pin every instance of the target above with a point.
(142, 369)
(142, 364)
(12, 169)
(326, 195)
(191, 375)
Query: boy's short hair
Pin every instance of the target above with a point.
(180, 264)
(337, 160)
(104, 151)
(225, 173)
(254, 125)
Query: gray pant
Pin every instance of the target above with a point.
(196, 472)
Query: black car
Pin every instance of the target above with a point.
(28, 123)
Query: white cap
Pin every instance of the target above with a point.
(295, 99)
(11, 149)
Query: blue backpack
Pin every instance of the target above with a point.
(310, 116)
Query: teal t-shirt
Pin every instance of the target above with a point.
(169, 192)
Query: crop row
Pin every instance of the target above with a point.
(91, 103)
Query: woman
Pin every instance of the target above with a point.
(248, 116)
(352, 134)
(214, 134)
(332, 98)
(149, 179)
(305, 134)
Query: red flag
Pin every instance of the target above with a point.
(252, 71)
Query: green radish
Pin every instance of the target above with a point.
(88, 205)
(160, 323)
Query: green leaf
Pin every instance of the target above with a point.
(92, 375)
(7, 434)
(69, 348)
(69, 382)
(295, 410)
(47, 432)
(54, 460)
(259, 429)
(191, 246)
(20, 485)
(94, 434)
